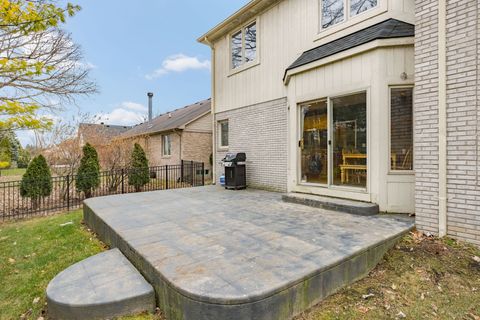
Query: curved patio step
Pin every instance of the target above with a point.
(334, 204)
(104, 286)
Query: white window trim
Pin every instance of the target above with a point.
(245, 65)
(389, 159)
(348, 21)
(163, 146)
(219, 132)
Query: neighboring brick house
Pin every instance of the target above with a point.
(182, 134)
(373, 100)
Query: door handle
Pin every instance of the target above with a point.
(301, 144)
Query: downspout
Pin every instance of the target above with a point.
(442, 118)
(212, 101)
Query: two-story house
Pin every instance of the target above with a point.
(320, 95)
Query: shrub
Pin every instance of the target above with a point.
(24, 158)
(37, 181)
(88, 174)
(139, 174)
(4, 164)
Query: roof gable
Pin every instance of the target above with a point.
(175, 119)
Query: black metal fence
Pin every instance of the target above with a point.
(65, 196)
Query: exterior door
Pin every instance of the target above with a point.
(314, 143)
(333, 143)
(349, 140)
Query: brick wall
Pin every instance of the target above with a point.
(261, 132)
(197, 146)
(462, 121)
(426, 115)
(154, 150)
(463, 201)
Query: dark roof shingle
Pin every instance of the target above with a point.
(170, 120)
(390, 28)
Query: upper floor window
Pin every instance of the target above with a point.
(336, 11)
(244, 45)
(359, 6)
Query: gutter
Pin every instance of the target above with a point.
(212, 110)
(442, 118)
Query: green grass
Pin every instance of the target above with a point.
(32, 253)
(424, 278)
(12, 172)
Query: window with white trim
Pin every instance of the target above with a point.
(336, 11)
(401, 128)
(223, 133)
(243, 46)
(166, 145)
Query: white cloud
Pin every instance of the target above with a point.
(133, 106)
(179, 63)
(126, 114)
(87, 65)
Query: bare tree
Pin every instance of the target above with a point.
(40, 70)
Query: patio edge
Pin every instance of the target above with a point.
(283, 303)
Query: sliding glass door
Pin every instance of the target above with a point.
(349, 135)
(333, 141)
(314, 143)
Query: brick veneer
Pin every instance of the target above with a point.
(463, 114)
(261, 132)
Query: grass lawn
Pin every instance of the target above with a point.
(32, 253)
(12, 172)
(421, 278)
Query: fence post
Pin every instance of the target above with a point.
(123, 181)
(68, 192)
(181, 172)
(203, 173)
(166, 176)
(191, 173)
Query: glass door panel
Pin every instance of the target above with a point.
(349, 145)
(314, 143)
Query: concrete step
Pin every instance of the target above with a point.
(104, 286)
(335, 204)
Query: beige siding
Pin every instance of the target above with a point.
(202, 124)
(285, 31)
(154, 150)
(197, 146)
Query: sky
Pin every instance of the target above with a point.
(135, 47)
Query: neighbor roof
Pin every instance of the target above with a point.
(175, 119)
(390, 28)
(94, 131)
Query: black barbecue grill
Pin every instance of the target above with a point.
(235, 171)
